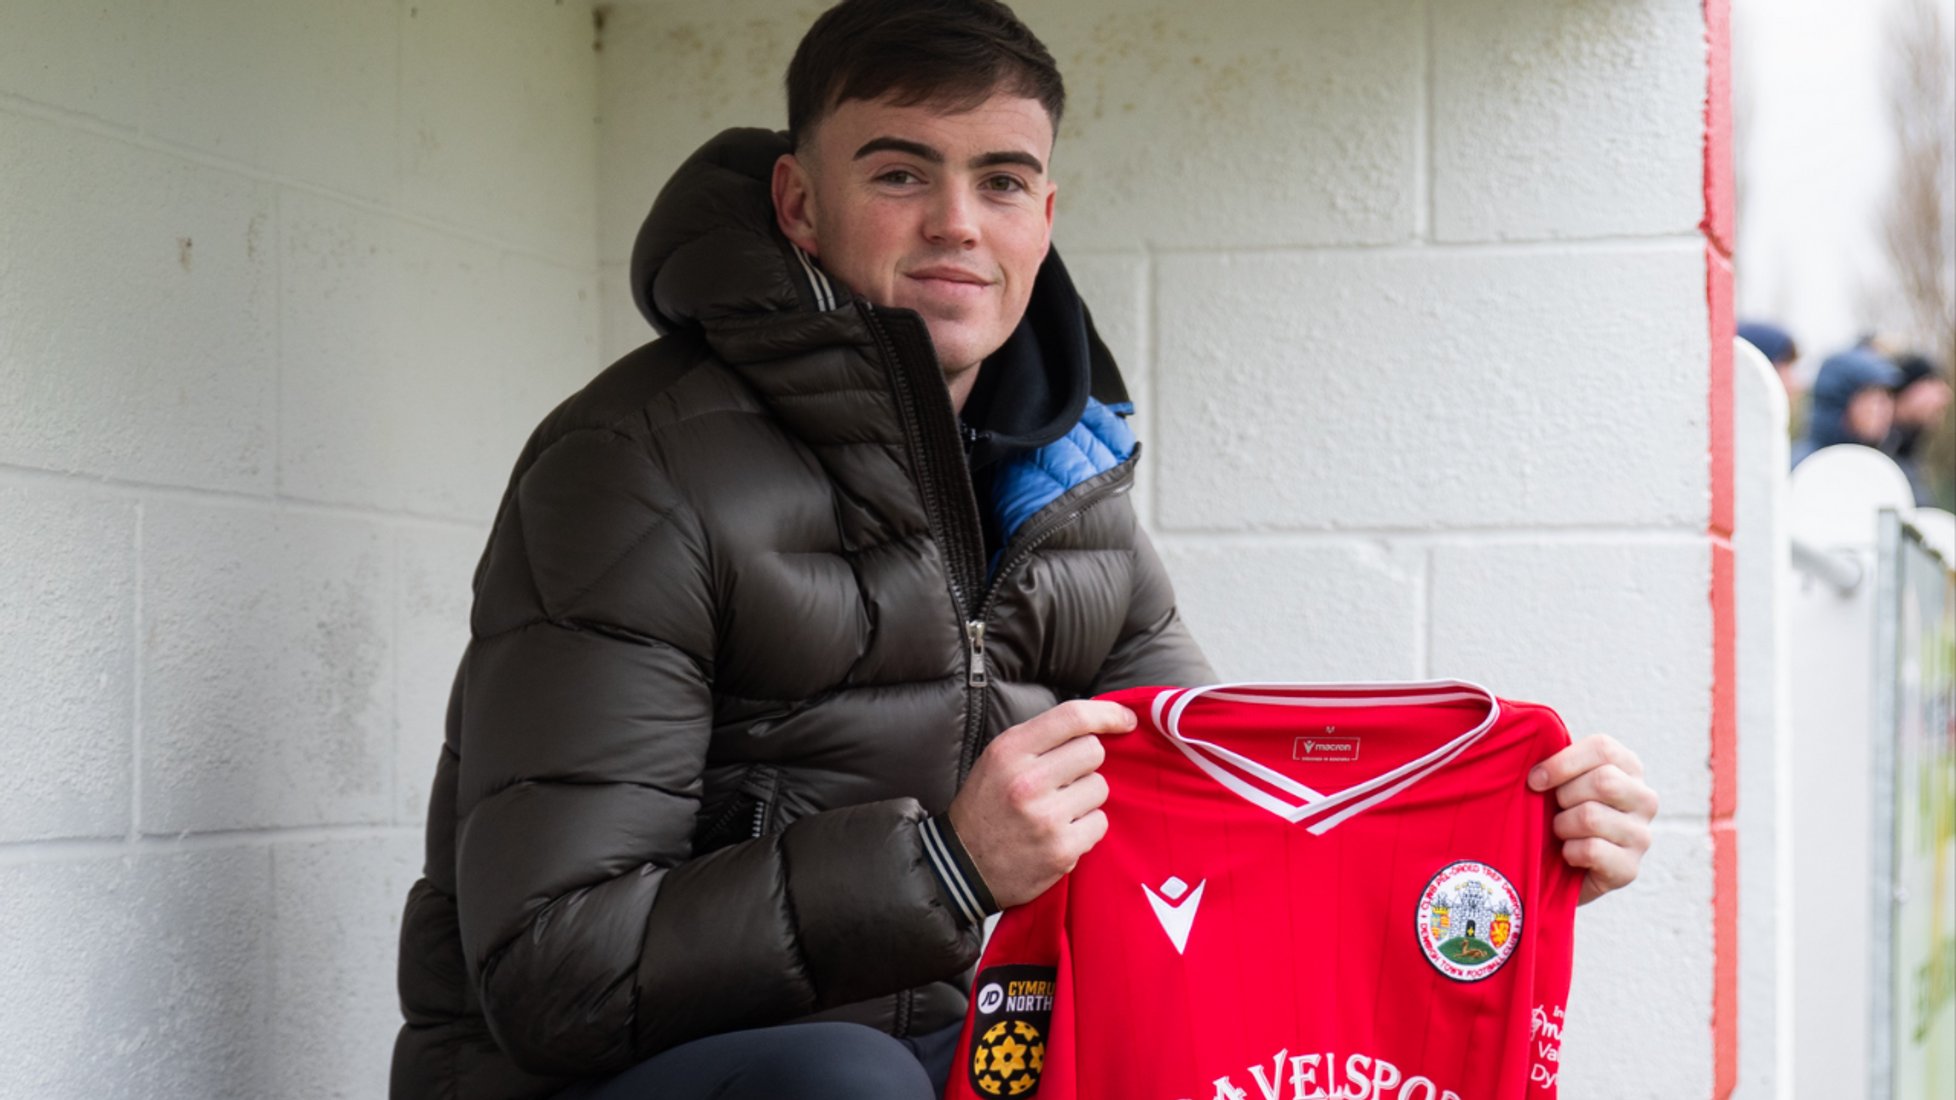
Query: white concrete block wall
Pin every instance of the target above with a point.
(68, 602)
(144, 973)
(1554, 119)
(283, 287)
(1413, 296)
(1430, 388)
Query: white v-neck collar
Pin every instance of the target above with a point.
(1328, 809)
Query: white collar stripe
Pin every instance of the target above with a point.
(1246, 791)
(1334, 808)
(818, 282)
(1268, 774)
(1346, 700)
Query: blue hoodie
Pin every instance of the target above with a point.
(1841, 377)
(1774, 342)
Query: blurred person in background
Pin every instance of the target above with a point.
(1777, 345)
(1922, 396)
(1853, 402)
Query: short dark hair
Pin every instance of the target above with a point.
(950, 52)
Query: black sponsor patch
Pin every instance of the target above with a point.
(1012, 1008)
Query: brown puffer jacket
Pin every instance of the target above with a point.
(722, 665)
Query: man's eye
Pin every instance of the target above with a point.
(897, 175)
(1005, 183)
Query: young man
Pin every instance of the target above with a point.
(784, 642)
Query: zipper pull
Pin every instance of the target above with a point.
(974, 636)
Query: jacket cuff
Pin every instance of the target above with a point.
(957, 877)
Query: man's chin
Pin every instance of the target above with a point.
(958, 346)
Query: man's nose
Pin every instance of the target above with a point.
(953, 218)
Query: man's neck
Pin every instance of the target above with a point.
(960, 383)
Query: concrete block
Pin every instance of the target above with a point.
(1615, 636)
(672, 76)
(268, 669)
(1567, 119)
(1249, 123)
(499, 126)
(335, 936)
(1243, 124)
(416, 362)
(300, 89)
(142, 343)
(138, 977)
(1115, 288)
(546, 325)
(1289, 612)
(1427, 389)
(436, 570)
(68, 597)
(1641, 1005)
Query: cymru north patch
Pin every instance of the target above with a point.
(1013, 1015)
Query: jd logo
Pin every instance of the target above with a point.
(990, 997)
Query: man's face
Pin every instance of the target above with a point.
(1921, 404)
(947, 213)
(1870, 413)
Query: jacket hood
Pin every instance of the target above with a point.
(1774, 342)
(710, 255)
(709, 250)
(1840, 378)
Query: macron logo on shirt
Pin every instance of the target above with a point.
(1175, 912)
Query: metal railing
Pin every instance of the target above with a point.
(1840, 570)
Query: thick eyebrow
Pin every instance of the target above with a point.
(932, 156)
(1024, 160)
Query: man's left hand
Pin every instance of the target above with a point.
(1606, 810)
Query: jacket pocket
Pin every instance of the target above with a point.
(747, 813)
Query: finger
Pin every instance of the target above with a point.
(1034, 779)
(1070, 760)
(1088, 831)
(1611, 786)
(1595, 821)
(1586, 754)
(1070, 720)
(1080, 798)
(1610, 867)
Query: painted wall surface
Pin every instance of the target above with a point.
(1412, 295)
(1413, 299)
(1766, 821)
(283, 287)
(1833, 505)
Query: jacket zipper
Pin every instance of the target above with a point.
(761, 785)
(937, 447)
(1085, 496)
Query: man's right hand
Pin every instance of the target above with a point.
(1031, 806)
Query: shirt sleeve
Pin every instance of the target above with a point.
(1018, 1031)
(1555, 945)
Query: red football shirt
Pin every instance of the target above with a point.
(1306, 892)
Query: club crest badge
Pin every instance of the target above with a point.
(1008, 1034)
(1469, 921)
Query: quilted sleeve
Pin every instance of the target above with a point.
(1155, 646)
(592, 936)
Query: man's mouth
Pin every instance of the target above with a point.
(949, 280)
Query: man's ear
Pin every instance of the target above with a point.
(794, 203)
(1052, 193)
